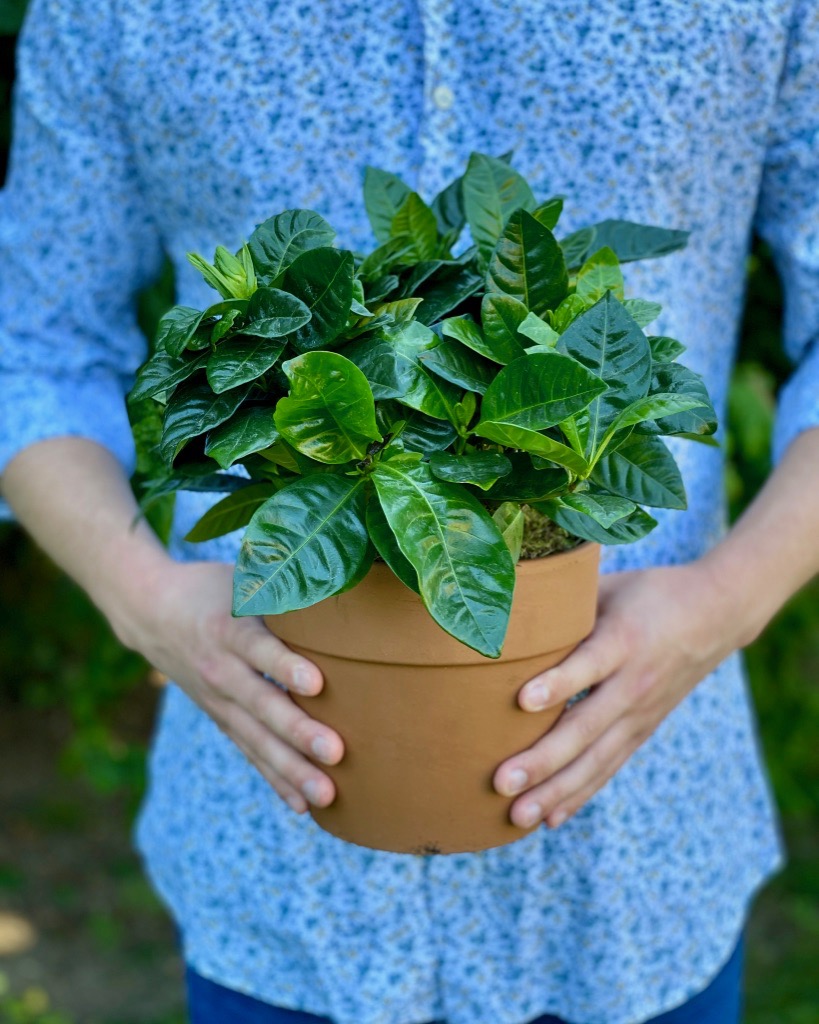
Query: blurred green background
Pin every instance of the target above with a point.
(82, 938)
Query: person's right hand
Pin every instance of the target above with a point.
(183, 625)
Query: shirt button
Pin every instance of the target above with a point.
(443, 97)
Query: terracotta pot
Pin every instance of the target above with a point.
(425, 720)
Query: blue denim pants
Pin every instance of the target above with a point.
(209, 1003)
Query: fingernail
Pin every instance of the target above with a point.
(302, 678)
(322, 749)
(529, 815)
(536, 697)
(312, 791)
(516, 781)
(558, 819)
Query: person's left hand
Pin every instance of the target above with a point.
(658, 633)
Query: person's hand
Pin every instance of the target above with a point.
(184, 627)
(658, 633)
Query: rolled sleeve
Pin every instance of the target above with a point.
(788, 219)
(77, 242)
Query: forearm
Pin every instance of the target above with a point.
(773, 549)
(74, 499)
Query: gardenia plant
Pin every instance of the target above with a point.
(412, 405)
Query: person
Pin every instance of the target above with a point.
(150, 128)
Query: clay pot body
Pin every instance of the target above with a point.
(426, 721)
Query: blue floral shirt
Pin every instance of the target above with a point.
(145, 126)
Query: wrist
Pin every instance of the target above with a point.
(744, 606)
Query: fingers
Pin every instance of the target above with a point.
(576, 730)
(251, 640)
(566, 792)
(592, 661)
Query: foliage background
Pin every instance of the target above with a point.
(75, 714)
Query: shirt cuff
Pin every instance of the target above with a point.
(798, 404)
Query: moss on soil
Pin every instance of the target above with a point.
(542, 536)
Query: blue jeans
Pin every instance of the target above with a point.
(209, 1003)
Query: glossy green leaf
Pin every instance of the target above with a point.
(280, 240)
(657, 406)
(604, 509)
(465, 571)
(401, 310)
(225, 325)
(600, 273)
(323, 280)
(677, 379)
(393, 253)
(501, 316)
(492, 191)
(511, 436)
(329, 414)
(382, 287)
(633, 241)
(539, 390)
(644, 470)
(416, 220)
(231, 513)
(176, 328)
(384, 195)
(459, 365)
(448, 207)
(272, 313)
(566, 313)
(510, 520)
(607, 341)
(281, 454)
(446, 290)
(194, 410)
(250, 430)
(386, 544)
(242, 359)
(665, 350)
(538, 331)
(577, 246)
(303, 545)
(418, 433)
(479, 468)
(548, 213)
(162, 373)
(644, 312)
(625, 531)
(526, 483)
(528, 264)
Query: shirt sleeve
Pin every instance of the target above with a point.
(788, 219)
(76, 240)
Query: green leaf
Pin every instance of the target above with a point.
(511, 436)
(492, 191)
(458, 365)
(241, 360)
(479, 468)
(679, 380)
(576, 246)
(633, 241)
(272, 313)
(225, 325)
(465, 571)
(501, 316)
(251, 430)
(510, 520)
(279, 241)
(528, 264)
(162, 373)
(323, 280)
(176, 328)
(599, 274)
(539, 331)
(665, 350)
(401, 310)
(394, 252)
(329, 414)
(303, 545)
(231, 513)
(644, 312)
(418, 433)
(567, 312)
(624, 531)
(387, 545)
(384, 194)
(447, 289)
(539, 390)
(655, 407)
(203, 481)
(448, 207)
(604, 509)
(644, 470)
(468, 333)
(415, 219)
(548, 213)
(281, 454)
(525, 482)
(607, 341)
(379, 289)
(194, 410)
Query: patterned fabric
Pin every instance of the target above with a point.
(160, 124)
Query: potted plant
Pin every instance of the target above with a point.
(426, 451)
